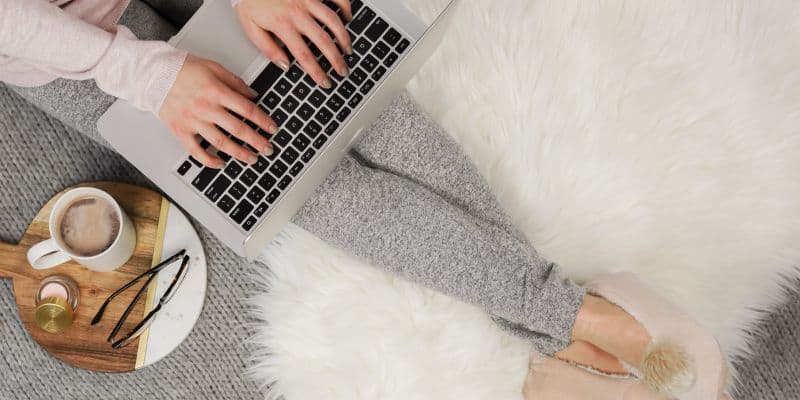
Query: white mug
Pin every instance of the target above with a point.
(53, 252)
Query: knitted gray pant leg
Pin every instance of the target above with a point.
(408, 200)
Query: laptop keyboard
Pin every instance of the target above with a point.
(307, 116)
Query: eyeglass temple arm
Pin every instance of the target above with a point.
(99, 315)
(128, 309)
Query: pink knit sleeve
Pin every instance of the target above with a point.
(56, 42)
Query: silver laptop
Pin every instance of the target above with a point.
(245, 206)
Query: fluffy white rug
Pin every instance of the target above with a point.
(658, 137)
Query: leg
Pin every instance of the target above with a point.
(79, 104)
(177, 12)
(408, 200)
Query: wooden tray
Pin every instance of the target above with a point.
(82, 345)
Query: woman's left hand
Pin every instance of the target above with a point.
(289, 21)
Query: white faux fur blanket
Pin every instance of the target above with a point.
(657, 137)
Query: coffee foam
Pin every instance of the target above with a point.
(89, 226)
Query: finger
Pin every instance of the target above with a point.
(233, 81)
(312, 30)
(222, 142)
(243, 132)
(304, 57)
(347, 9)
(189, 142)
(249, 111)
(330, 19)
(267, 45)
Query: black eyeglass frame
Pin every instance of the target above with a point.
(165, 297)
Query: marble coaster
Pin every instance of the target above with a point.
(177, 318)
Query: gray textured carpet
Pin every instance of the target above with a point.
(39, 156)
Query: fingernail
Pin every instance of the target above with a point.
(327, 84)
(252, 159)
(253, 92)
(273, 129)
(283, 65)
(267, 150)
(349, 50)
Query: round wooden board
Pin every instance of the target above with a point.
(83, 345)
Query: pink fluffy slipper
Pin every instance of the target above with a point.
(683, 359)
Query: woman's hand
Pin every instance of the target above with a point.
(200, 102)
(288, 21)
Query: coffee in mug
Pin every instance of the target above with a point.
(89, 227)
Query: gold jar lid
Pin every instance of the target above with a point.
(54, 315)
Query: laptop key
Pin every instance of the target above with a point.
(267, 182)
(392, 36)
(226, 203)
(390, 59)
(255, 194)
(271, 100)
(184, 168)
(351, 60)
(325, 64)
(289, 155)
(343, 114)
(402, 46)
(356, 5)
(335, 102)
(368, 85)
(284, 183)
(248, 177)
(331, 129)
(312, 129)
(283, 86)
(249, 223)
(376, 29)
(296, 168)
(294, 125)
(261, 209)
(346, 89)
(289, 104)
(320, 141)
(223, 155)
(305, 112)
(233, 170)
(378, 74)
(317, 98)
(369, 63)
(301, 91)
(354, 102)
(266, 79)
(278, 168)
(279, 117)
(358, 76)
(217, 188)
(241, 211)
(361, 46)
(323, 116)
(261, 165)
(195, 162)
(237, 190)
(282, 138)
(301, 142)
(361, 20)
(273, 195)
(380, 50)
(295, 73)
(308, 155)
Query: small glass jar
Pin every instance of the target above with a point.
(56, 300)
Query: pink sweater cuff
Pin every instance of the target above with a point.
(139, 71)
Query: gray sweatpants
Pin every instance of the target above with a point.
(405, 198)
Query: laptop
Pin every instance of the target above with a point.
(245, 206)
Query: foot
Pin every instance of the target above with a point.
(611, 329)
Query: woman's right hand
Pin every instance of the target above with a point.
(202, 100)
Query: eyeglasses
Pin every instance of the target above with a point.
(148, 319)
